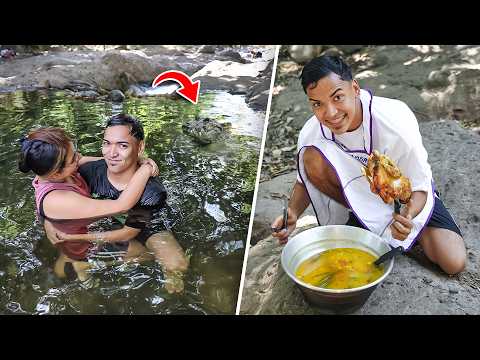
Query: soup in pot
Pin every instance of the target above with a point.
(340, 268)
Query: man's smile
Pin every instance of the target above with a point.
(114, 162)
(338, 121)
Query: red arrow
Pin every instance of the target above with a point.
(189, 90)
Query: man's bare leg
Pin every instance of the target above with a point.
(322, 176)
(172, 258)
(137, 252)
(80, 267)
(445, 248)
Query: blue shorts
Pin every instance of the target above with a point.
(441, 218)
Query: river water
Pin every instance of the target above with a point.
(210, 190)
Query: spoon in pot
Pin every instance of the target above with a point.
(390, 254)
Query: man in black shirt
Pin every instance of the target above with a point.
(123, 144)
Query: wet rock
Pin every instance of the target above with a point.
(204, 131)
(301, 54)
(88, 95)
(135, 91)
(116, 96)
(45, 84)
(207, 49)
(257, 96)
(80, 86)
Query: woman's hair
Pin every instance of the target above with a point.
(44, 150)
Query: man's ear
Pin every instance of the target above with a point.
(356, 87)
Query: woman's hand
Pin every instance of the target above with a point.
(152, 163)
(56, 236)
(61, 236)
(51, 231)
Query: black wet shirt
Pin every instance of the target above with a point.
(139, 217)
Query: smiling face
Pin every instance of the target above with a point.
(120, 149)
(335, 103)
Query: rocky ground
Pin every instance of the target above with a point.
(448, 123)
(93, 71)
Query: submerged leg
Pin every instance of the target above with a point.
(170, 255)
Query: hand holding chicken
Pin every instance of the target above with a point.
(386, 179)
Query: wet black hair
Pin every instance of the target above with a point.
(322, 66)
(136, 127)
(44, 150)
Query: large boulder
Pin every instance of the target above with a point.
(119, 69)
(257, 96)
(415, 286)
(460, 95)
(301, 54)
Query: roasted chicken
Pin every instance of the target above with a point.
(386, 180)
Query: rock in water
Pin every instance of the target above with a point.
(87, 94)
(204, 131)
(116, 96)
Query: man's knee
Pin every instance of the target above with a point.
(454, 265)
(446, 248)
(315, 166)
(168, 252)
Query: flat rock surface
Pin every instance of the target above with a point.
(415, 286)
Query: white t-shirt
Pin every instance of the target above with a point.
(394, 130)
(388, 126)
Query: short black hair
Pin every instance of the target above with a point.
(322, 66)
(136, 127)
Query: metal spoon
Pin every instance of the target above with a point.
(388, 255)
(285, 217)
(397, 206)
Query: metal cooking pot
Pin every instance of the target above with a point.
(316, 240)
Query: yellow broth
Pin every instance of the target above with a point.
(341, 268)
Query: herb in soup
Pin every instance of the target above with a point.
(341, 268)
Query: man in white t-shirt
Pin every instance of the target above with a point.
(333, 145)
